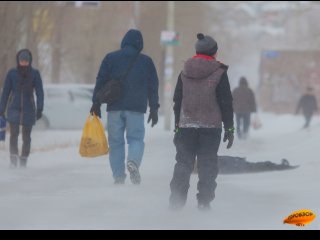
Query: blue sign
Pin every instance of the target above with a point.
(270, 54)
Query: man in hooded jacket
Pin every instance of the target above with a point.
(19, 107)
(127, 114)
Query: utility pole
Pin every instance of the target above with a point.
(57, 40)
(136, 13)
(169, 68)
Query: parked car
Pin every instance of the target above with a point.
(66, 107)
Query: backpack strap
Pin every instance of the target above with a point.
(130, 67)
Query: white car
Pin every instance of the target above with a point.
(67, 107)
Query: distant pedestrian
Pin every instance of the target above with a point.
(308, 104)
(22, 110)
(3, 126)
(244, 105)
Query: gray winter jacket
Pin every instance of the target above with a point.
(203, 95)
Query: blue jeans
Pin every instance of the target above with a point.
(132, 123)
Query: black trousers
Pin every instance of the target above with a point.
(192, 144)
(308, 118)
(26, 137)
(243, 124)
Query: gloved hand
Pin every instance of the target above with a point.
(96, 109)
(176, 128)
(153, 116)
(176, 123)
(229, 135)
(39, 114)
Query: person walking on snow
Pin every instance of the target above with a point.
(3, 126)
(127, 114)
(202, 102)
(22, 110)
(244, 105)
(308, 104)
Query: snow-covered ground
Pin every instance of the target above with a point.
(61, 190)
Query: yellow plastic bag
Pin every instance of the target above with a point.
(93, 142)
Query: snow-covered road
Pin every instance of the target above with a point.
(61, 190)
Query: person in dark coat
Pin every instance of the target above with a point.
(202, 102)
(244, 105)
(308, 104)
(127, 114)
(18, 102)
(3, 128)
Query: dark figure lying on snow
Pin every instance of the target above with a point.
(237, 165)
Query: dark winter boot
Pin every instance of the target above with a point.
(119, 181)
(23, 162)
(134, 173)
(14, 161)
(202, 206)
(176, 203)
(175, 207)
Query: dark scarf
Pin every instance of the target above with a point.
(24, 71)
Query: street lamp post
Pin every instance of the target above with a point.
(169, 68)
